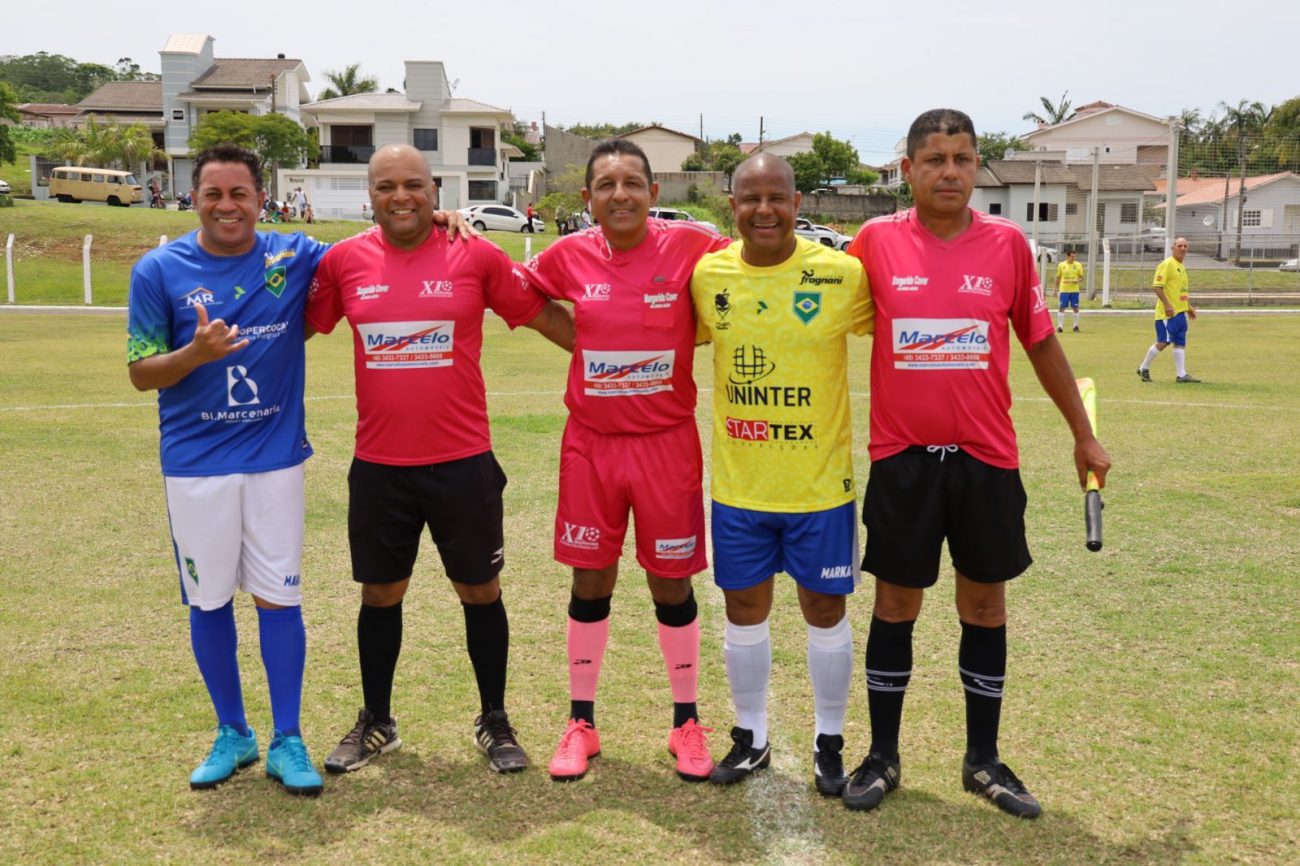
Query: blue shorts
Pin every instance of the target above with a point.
(818, 549)
(1070, 299)
(1172, 330)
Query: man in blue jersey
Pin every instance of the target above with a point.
(216, 327)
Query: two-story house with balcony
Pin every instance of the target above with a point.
(460, 139)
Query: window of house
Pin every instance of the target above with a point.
(1252, 218)
(1048, 212)
(995, 208)
(482, 190)
(480, 137)
(425, 139)
(1071, 208)
(1101, 216)
(1128, 212)
(178, 114)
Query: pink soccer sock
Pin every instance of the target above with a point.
(586, 642)
(681, 648)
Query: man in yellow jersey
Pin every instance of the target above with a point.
(1173, 309)
(778, 309)
(1068, 275)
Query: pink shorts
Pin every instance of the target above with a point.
(658, 476)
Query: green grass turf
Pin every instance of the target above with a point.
(1151, 701)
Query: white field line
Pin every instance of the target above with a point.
(46, 407)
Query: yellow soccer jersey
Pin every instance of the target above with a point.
(1068, 275)
(782, 431)
(1173, 276)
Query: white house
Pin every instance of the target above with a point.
(1121, 135)
(460, 139)
(665, 148)
(800, 142)
(1270, 214)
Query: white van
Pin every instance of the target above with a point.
(75, 183)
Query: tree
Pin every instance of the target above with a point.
(517, 134)
(808, 171)
(276, 139)
(1245, 119)
(348, 82)
(600, 131)
(110, 145)
(8, 111)
(718, 155)
(994, 145)
(837, 157)
(829, 159)
(1056, 112)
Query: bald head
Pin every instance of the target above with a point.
(773, 168)
(402, 194)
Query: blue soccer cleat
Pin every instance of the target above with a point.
(287, 762)
(231, 751)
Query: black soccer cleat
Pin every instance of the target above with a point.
(743, 759)
(1144, 375)
(496, 739)
(828, 765)
(996, 782)
(367, 739)
(875, 777)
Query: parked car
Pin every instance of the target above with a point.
(1153, 239)
(500, 218)
(1052, 253)
(805, 228)
(838, 241)
(1290, 265)
(74, 184)
(668, 213)
(4, 187)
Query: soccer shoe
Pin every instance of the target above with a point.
(231, 750)
(288, 764)
(496, 739)
(580, 743)
(1144, 375)
(1186, 380)
(828, 765)
(742, 760)
(688, 745)
(999, 784)
(1060, 330)
(1076, 329)
(366, 740)
(871, 781)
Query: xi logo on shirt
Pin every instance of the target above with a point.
(275, 280)
(807, 305)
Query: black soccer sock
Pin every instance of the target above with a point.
(487, 635)
(680, 616)
(379, 642)
(889, 669)
(982, 661)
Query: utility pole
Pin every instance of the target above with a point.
(1038, 253)
(760, 132)
(1171, 193)
(1241, 196)
(1092, 223)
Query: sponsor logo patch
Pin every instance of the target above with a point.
(754, 430)
(404, 345)
(941, 344)
(675, 548)
(583, 537)
(435, 289)
(368, 293)
(200, 295)
(627, 374)
(241, 389)
(596, 291)
(660, 300)
(722, 308)
(909, 284)
(973, 285)
(807, 305)
(836, 572)
(276, 280)
(810, 278)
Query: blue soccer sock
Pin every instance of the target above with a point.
(213, 637)
(284, 654)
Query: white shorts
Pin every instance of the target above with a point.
(238, 532)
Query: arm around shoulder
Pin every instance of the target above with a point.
(554, 322)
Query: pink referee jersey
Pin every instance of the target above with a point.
(944, 312)
(417, 321)
(635, 330)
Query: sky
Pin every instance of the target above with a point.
(860, 70)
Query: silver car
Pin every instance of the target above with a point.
(500, 218)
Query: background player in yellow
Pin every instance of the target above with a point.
(778, 309)
(1068, 275)
(1173, 309)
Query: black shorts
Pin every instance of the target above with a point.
(917, 498)
(460, 501)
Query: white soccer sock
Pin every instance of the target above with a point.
(1076, 318)
(1060, 318)
(830, 665)
(1151, 356)
(748, 651)
(1180, 361)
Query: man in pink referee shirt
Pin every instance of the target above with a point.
(950, 285)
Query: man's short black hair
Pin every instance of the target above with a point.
(612, 146)
(946, 121)
(229, 153)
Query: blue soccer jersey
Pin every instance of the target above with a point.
(243, 413)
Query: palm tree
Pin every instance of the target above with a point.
(1245, 119)
(348, 82)
(1056, 112)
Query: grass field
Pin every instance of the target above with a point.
(1153, 688)
(48, 239)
